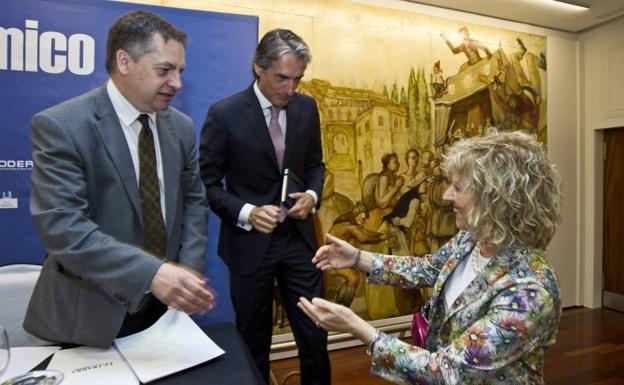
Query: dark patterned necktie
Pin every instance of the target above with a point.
(155, 240)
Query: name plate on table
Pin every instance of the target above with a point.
(93, 366)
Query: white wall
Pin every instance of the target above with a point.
(602, 56)
(564, 148)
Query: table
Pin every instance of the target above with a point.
(235, 367)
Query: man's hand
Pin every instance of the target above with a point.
(302, 207)
(264, 218)
(182, 289)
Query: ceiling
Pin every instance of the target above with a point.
(543, 13)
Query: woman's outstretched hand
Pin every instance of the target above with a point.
(334, 317)
(337, 254)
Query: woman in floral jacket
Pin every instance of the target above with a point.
(496, 302)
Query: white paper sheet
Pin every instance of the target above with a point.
(172, 344)
(23, 359)
(93, 366)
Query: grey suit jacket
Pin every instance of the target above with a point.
(86, 207)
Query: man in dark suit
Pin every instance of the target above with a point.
(250, 139)
(116, 196)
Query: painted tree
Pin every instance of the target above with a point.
(395, 94)
(423, 116)
(412, 110)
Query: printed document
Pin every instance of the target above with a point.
(172, 344)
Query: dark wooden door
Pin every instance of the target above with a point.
(613, 225)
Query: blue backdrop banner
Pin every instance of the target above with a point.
(54, 50)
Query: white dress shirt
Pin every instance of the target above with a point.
(462, 276)
(131, 127)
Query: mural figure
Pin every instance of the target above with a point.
(386, 192)
(455, 133)
(515, 91)
(405, 211)
(350, 227)
(334, 204)
(441, 224)
(438, 82)
(468, 47)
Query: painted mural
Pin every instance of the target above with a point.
(383, 148)
(395, 88)
(383, 141)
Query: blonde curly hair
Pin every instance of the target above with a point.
(517, 197)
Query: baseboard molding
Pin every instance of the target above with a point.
(613, 301)
(284, 345)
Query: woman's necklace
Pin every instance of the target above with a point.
(475, 257)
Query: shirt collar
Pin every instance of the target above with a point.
(264, 102)
(125, 111)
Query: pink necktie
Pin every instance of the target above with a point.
(276, 135)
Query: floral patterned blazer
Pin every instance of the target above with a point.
(496, 332)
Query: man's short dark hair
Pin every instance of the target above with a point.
(134, 33)
(277, 43)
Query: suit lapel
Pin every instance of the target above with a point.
(471, 293)
(437, 312)
(257, 123)
(448, 268)
(496, 267)
(468, 294)
(292, 121)
(112, 137)
(170, 156)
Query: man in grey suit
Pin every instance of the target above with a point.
(116, 196)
